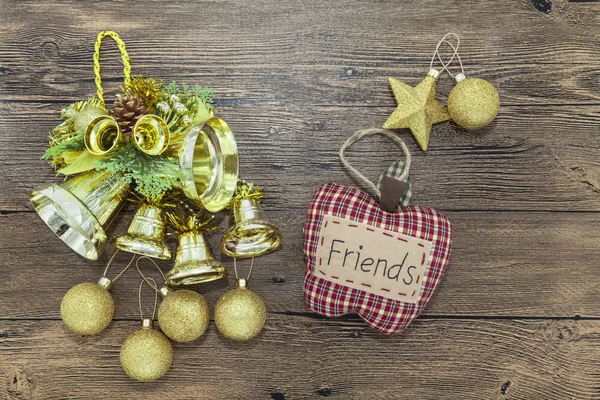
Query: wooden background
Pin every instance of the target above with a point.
(517, 315)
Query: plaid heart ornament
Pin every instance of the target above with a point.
(383, 266)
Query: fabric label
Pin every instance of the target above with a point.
(364, 257)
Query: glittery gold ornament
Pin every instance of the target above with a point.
(240, 314)
(473, 103)
(183, 315)
(88, 308)
(417, 108)
(146, 354)
(83, 118)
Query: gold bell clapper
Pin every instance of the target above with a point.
(79, 210)
(208, 160)
(146, 233)
(194, 259)
(250, 233)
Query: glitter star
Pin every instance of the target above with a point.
(417, 108)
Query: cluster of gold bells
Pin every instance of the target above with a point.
(79, 211)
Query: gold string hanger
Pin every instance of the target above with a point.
(147, 321)
(155, 287)
(108, 281)
(124, 59)
(237, 278)
(454, 54)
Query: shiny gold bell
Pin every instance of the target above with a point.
(208, 161)
(194, 261)
(151, 134)
(103, 135)
(146, 233)
(250, 233)
(79, 210)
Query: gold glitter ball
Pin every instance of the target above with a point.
(87, 308)
(473, 103)
(240, 314)
(85, 117)
(146, 355)
(183, 315)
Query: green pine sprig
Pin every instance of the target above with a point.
(152, 175)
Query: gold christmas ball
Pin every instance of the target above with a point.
(87, 308)
(85, 117)
(473, 103)
(240, 314)
(146, 355)
(183, 315)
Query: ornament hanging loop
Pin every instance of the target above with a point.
(459, 77)
(124, 59)
(237, 278)
(163, 290)
(147, 322)
(104, 280)
(360, 178)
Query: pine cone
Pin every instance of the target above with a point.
(127, 110)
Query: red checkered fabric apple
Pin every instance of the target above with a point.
(384, 266)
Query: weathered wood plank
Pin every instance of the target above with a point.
(531, 158)
(311, 52)
(304, 358)
(502, 264)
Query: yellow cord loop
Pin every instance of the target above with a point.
(124, 58)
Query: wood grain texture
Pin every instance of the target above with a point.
(502, 264)
(530, 159)
(515, 317)
(434, 359)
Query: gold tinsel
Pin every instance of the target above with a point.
(246, 190)
(184, 222)
(87, 308)
(473, 103)
(146, 89)
(240, 314)
(183, 315)
(146, 355)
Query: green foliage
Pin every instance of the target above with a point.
(55, 153)
(205, 94)
(152, 175)
(64, 137)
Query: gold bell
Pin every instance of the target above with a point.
(208, 160)
(250, 234)
(103, 135)
(79, 210)
(146, 233)
(194, 261)
(151, 134)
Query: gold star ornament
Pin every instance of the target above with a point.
(417, 108)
